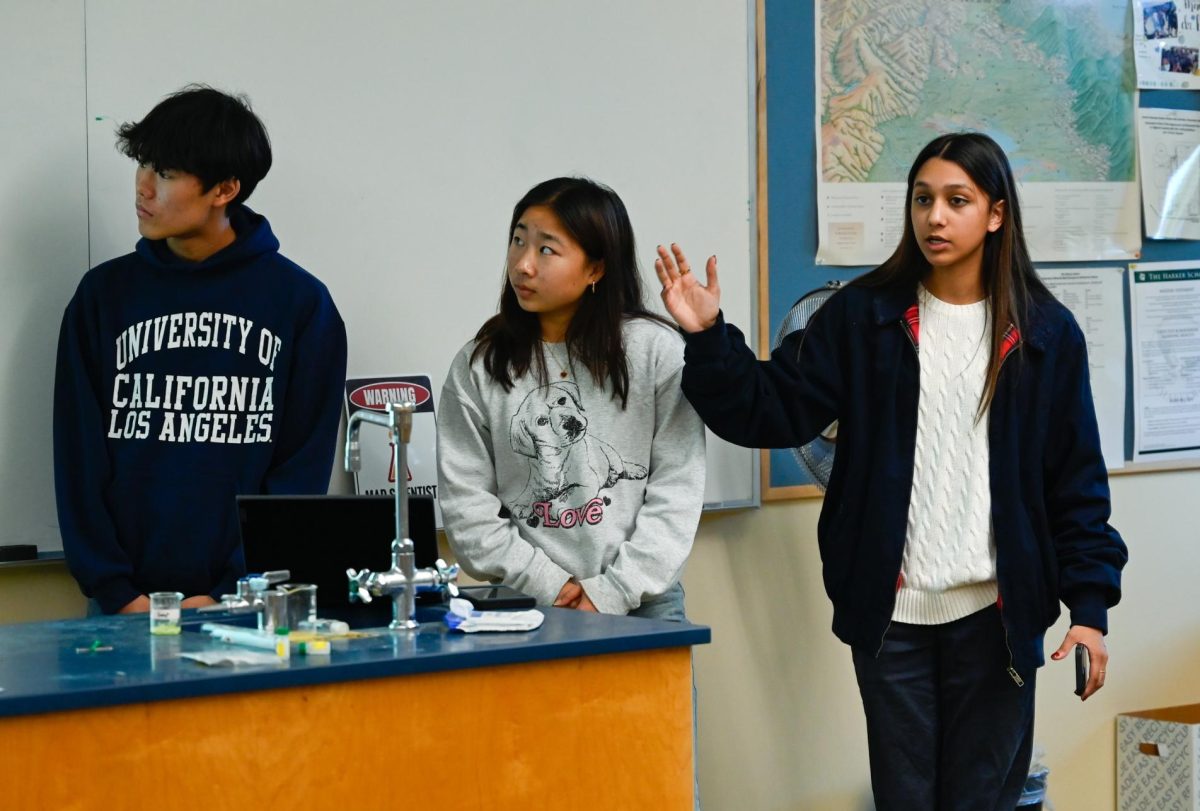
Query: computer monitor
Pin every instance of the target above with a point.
(317, 538)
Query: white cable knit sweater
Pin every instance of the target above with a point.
(949, 568)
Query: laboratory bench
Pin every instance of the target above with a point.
(589, 711)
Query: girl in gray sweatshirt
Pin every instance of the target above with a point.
(571, 467)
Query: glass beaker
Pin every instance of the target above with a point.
(302, 604)
(275, 610)
(164, 612)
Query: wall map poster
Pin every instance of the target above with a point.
(1052, 81)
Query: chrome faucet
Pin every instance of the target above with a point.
(397, 418)
(402, 581)
(249, 594)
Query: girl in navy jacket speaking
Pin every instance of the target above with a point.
(968, 496)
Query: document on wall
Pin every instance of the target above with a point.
(1169, 148)
(1166, 44)
(1046, 80)
(1164, 299)
(1095, 296)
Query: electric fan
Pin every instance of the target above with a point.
(816, 457)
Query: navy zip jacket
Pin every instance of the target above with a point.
(857, 362)
(179, 385)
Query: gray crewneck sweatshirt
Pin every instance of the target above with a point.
(543, 483)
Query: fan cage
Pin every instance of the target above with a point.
(816, 457)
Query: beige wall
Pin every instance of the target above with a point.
(780, 721)
(42, 591)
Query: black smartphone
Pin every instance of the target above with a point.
(1081, 668)
(486, 598)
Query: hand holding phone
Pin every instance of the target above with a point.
(1081, 668)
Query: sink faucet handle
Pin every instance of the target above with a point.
(402, 413)
(447, 574)
(358, 585)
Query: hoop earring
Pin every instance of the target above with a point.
(593, 288)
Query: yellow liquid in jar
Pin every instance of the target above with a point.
(165, 630)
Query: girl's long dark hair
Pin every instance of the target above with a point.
(1008, 275)
(594, 216)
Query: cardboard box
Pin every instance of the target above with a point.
(1158, 760)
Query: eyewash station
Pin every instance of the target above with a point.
(261, 699)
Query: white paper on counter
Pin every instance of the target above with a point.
(1169, 150)
(1166, 44)
(1095, 296)
(232, 657)
(1164, 299)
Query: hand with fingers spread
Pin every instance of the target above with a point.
(693, 305)
(1093, 640)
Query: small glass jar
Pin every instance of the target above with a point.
(165, 612)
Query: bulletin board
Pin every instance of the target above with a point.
(788, 230)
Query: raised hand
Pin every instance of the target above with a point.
(694, 306)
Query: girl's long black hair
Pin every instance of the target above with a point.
(1008, 275)
(594, 216)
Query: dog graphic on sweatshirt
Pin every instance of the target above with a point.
(567, 467)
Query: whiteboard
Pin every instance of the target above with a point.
(403, 134)
(43, 246)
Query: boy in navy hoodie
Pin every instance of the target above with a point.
(200, 366)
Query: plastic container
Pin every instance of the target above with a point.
(1034, 794)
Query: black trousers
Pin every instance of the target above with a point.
(948, 729)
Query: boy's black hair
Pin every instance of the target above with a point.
(204, 132)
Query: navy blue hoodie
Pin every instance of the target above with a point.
(179, 385)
